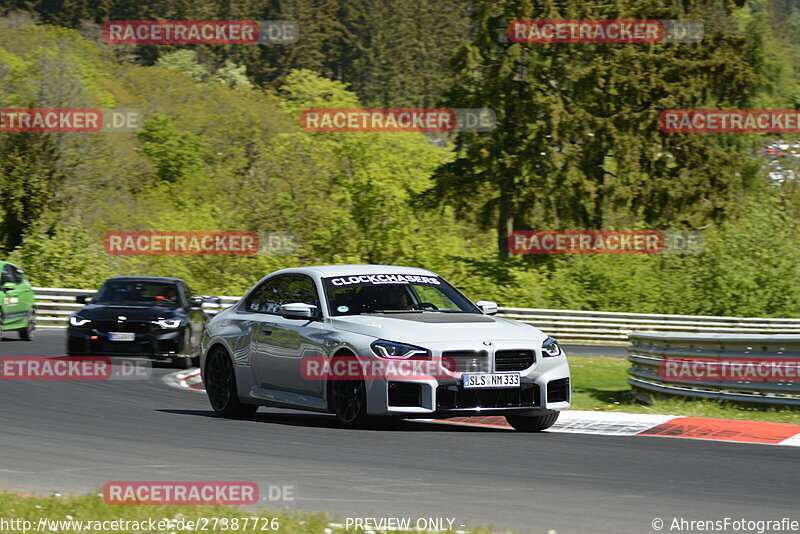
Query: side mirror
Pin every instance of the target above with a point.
(8, 285)
(298, 310)
(82, 299)
(487, 307)
(195, 302)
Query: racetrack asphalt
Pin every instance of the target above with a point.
(74, 436)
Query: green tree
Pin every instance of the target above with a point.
(577, 142)
(184, 61)
(174, 153)
(26, 186)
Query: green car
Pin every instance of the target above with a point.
(16, 302)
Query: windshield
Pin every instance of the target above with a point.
(393, 293)
(137, 293)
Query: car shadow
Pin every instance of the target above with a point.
(329, 421)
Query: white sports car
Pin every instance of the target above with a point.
(370, 343)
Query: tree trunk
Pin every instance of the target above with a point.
(505, 223)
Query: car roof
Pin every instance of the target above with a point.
(143, 279)
(344, 270)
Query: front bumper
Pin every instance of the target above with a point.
(154, 344)
(544, 385)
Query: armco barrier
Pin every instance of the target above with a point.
(53, 305)
(648, 351)
(614, 328)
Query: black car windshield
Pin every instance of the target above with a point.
(137, 293)
(393, 293)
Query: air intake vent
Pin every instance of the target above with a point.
(465, 361)
(513, 360)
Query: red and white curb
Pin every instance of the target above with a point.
(189, 379)
(609, 423)
(670, 426)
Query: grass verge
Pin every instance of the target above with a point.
(600, 384)
(79, 514)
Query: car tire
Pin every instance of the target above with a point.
(29, 332)
(185, 362)
(348, 402)
(220, 381)
(533, 423)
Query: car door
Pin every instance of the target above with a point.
(278, 344)
(14, 296)
(26, 295)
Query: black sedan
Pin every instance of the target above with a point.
(152, 317)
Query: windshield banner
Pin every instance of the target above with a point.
(377, 279)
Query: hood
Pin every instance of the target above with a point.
(416, 328)
(110, 312)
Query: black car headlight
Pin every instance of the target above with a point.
(76, 320)
(550, 348)
(399, 351)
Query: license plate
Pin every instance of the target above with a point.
(490, 380)
(121, 336)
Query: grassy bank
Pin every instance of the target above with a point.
(601, 384)
(73, 514)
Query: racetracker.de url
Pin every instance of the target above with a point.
(149, 525)
(726, 524)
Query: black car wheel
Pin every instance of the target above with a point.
(28, 333)
(348, 401)
(220, 381)
(183, 362)
(533, 423)
(186, 361)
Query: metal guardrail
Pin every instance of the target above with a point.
(648, 352)
(53, 305)
(615, 328)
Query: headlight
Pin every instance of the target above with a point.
(550, 347)
(74, 320)
(393, 349)
(169, 323)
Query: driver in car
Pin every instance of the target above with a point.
(169, 293)
(384, 298)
